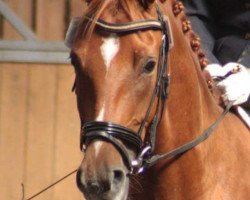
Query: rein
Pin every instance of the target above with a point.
(182, 149)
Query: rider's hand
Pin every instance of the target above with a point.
(233, 81)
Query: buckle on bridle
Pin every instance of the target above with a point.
(139, 164)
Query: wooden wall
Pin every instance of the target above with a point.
(39, 124)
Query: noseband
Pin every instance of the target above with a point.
(121, 136)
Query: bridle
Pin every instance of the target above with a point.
(115, 133)
(119, 135)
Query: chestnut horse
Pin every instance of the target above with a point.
(129, 57)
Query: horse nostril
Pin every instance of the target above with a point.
(118, 176)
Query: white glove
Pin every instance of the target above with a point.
(234, 84)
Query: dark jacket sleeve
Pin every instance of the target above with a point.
(198, 12)
(224, 27)
(202, 14)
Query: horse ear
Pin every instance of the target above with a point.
(146, 3)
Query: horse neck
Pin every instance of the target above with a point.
(190, 110)
(191, 107)
(198, 173)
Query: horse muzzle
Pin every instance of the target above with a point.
(112, 184)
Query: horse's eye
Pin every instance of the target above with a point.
(149, 66)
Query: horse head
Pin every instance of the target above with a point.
(120, 56)
(116, 63)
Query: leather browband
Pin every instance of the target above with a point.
(141, 25)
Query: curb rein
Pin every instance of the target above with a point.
(112, 133)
